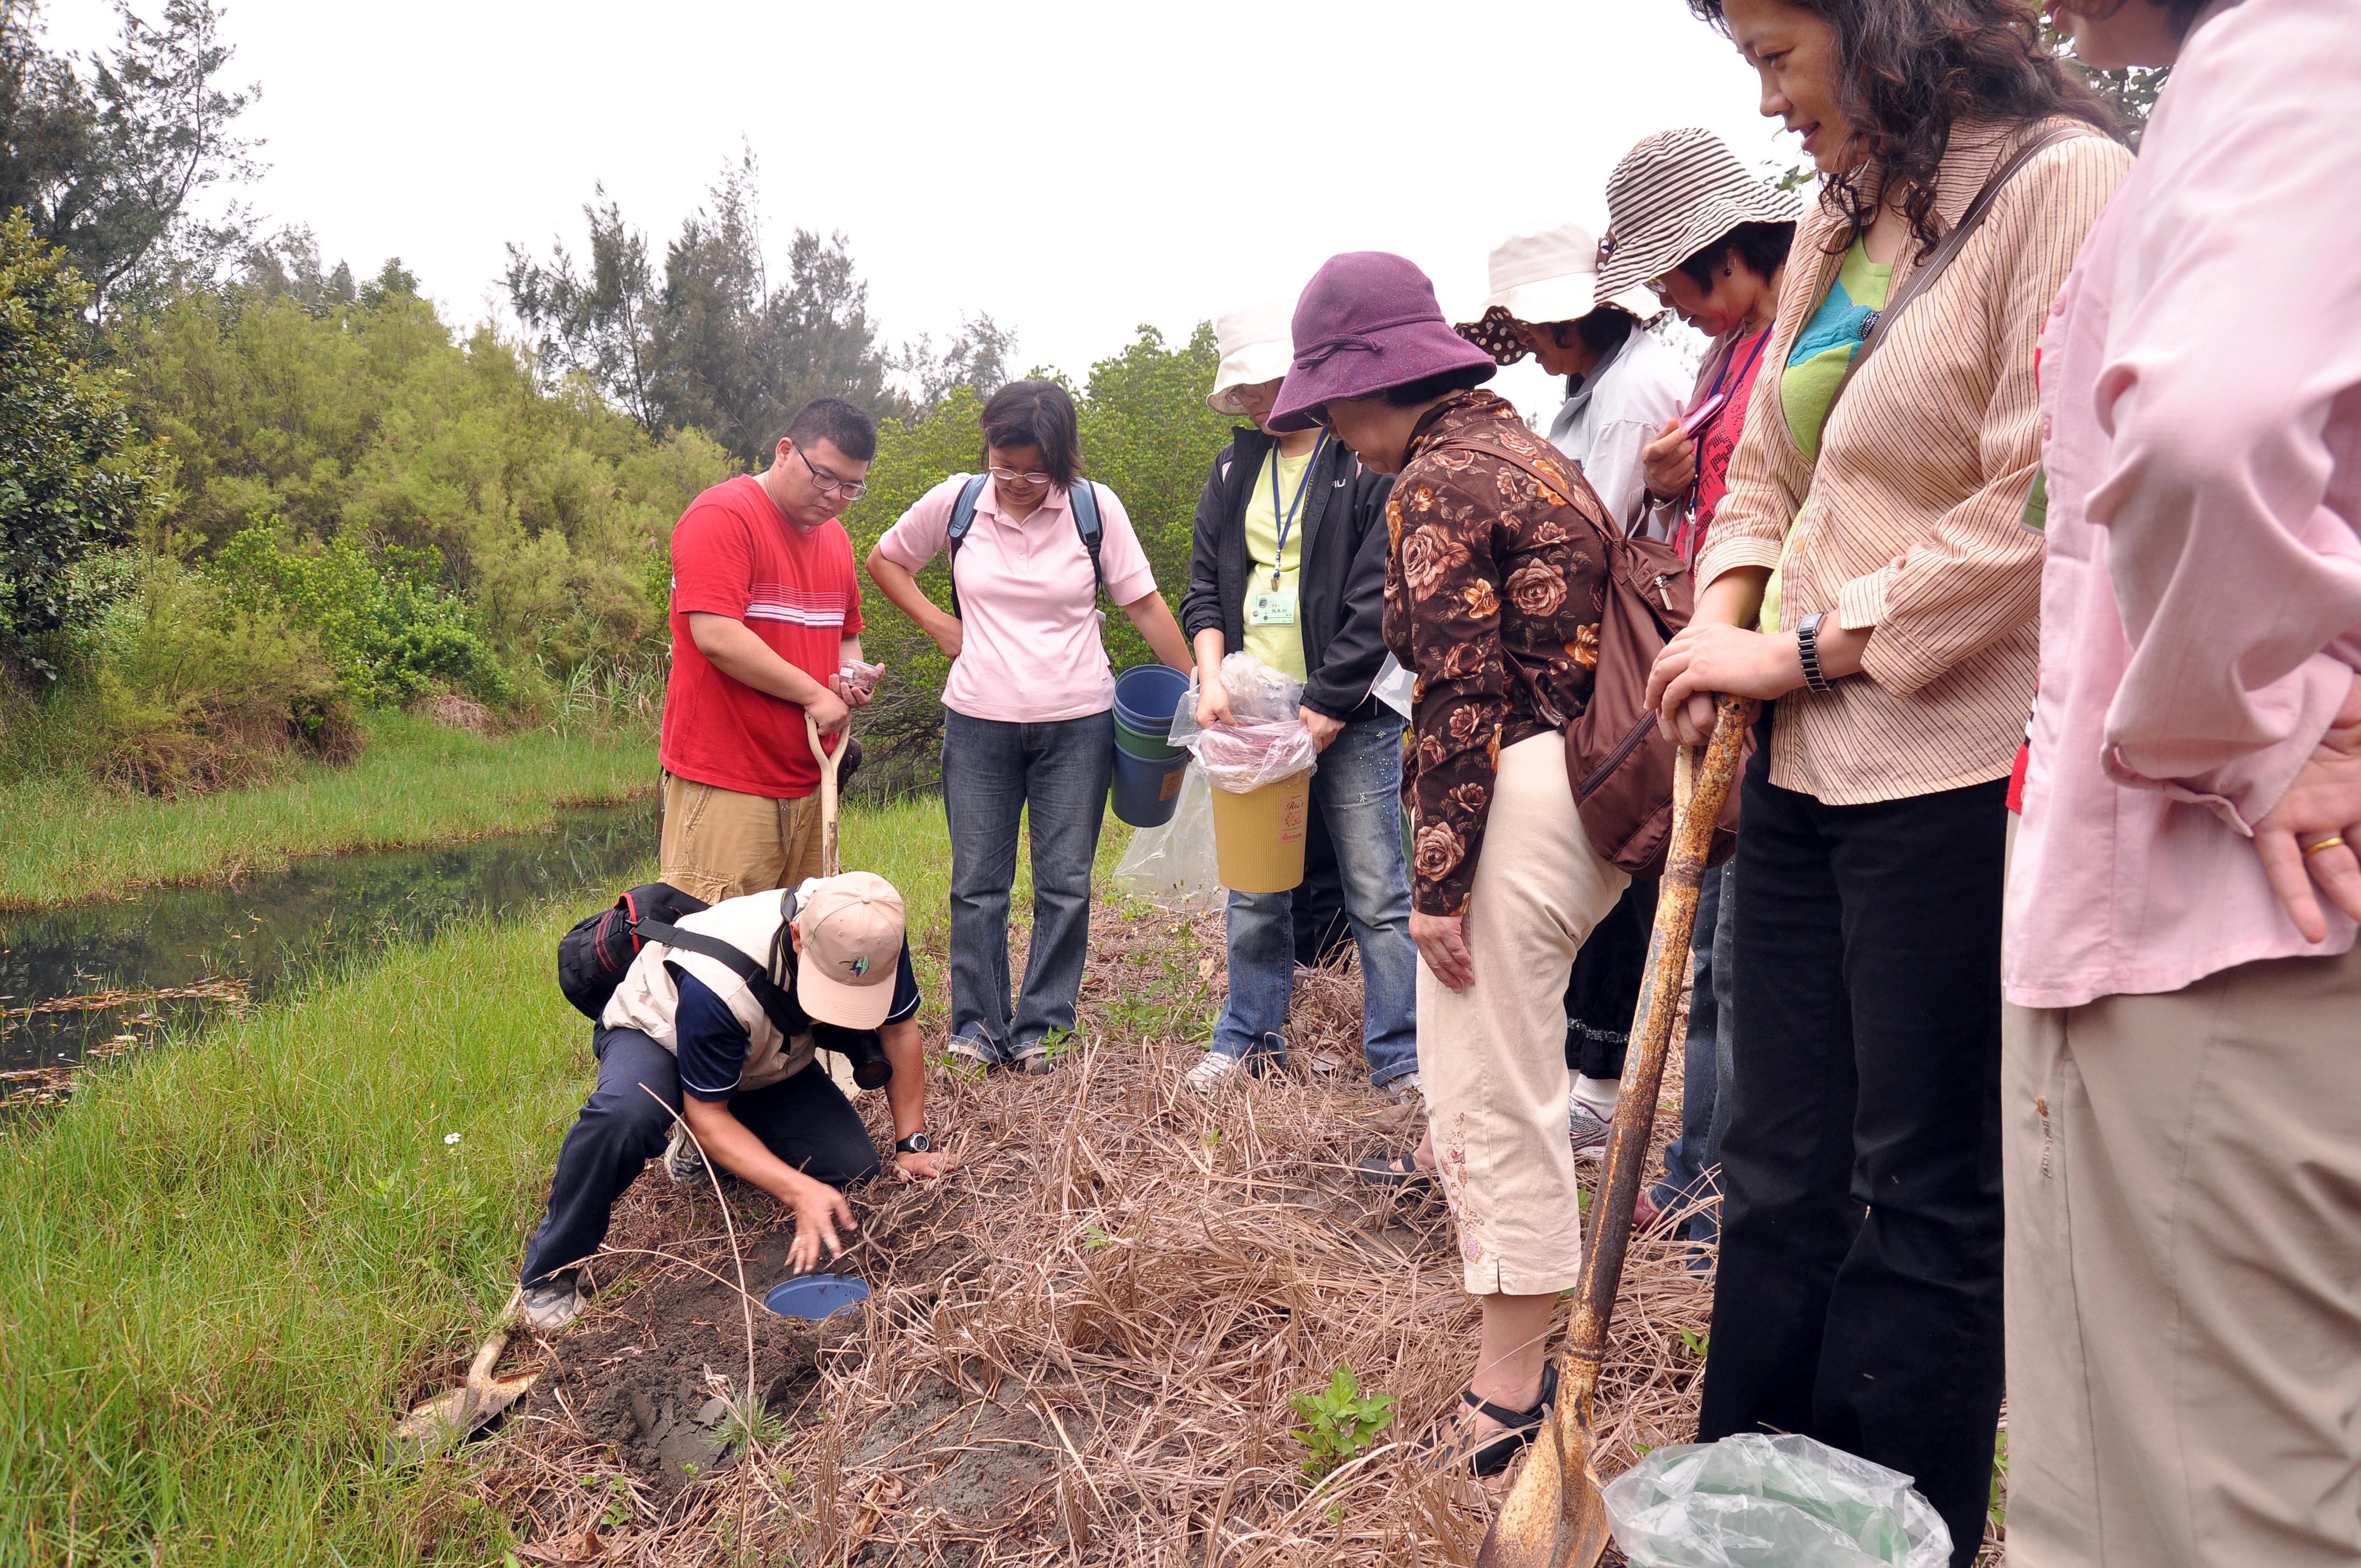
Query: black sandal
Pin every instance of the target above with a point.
(1449, 1443)
(1395, 1170)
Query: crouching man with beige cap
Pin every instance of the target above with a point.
(727, 1047)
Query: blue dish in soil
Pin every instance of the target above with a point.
(815, 1297)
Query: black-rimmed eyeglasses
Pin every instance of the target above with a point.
(827, 484)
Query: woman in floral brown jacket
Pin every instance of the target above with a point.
(1494, 588)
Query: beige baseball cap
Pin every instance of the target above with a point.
(852, 929)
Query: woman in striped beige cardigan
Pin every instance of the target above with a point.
(1869, 578)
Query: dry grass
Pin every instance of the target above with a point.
(1080, 1348)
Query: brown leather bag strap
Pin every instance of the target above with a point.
(1946, 252)
(1555, 485)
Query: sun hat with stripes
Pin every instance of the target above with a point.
(1672, 195)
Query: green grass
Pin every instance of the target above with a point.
(416, 782)
(225, 1262)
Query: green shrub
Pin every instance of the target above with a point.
(74, 477)
(189, 692)
(391, 632)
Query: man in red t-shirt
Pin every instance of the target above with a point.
(766, 613)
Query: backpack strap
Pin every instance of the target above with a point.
(778, 1006)
(1083, 496)
(963, 519)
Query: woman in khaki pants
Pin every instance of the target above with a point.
(1493, 588)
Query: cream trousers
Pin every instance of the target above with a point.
(1492, 1058)
(2183, 1176)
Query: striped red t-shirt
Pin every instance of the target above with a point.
(734, 554)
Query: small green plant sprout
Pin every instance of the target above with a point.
(1213, 1138)
(1340, 1423)
(1694, 1343)
(1058, 1041)
(1095, 1239)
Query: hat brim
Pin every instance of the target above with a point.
(1402, 355)
(830, 1000)
(1250, 366)
(1635, 262)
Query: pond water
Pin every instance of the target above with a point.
(222, 944)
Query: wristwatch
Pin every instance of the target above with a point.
(916, 1142)
(1807, 644)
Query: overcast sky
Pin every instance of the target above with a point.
(1074, 170)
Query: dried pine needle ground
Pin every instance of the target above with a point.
(1080, 1348)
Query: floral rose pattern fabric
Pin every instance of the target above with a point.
(1494, 588)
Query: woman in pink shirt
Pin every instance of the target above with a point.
(1028, 730)
(2182, 1081)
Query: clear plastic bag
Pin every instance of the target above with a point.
(1753, 1501)
(1266, 739)
(1172, 867)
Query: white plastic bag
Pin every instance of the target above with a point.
(1172, 867)
(1753, 1501)
(1265, 741)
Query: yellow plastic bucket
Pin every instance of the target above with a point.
(1259, 835)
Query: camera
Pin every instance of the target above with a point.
(871, 1069)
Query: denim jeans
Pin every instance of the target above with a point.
(1357, 790)
(1054, 775)
(1693, 1160)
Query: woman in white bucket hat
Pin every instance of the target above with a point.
(1287, 562)
(1622, 383)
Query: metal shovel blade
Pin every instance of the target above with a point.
(1555, 1516)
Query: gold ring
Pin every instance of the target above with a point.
(2333, 841)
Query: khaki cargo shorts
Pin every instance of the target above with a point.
(720, 844)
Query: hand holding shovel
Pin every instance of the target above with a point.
(1555, 1516)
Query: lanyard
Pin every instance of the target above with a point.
(1752, 356)
(1286, 519)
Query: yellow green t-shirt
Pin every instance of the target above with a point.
(1280, 647)
(1822, 354)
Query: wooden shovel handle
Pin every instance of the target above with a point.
(828, 763)
(1695, 819)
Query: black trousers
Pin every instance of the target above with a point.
(804, 1120)
(1859, 1295)
(1604, 990)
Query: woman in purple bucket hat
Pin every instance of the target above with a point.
(1493, 586)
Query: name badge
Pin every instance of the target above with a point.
(1272, 610)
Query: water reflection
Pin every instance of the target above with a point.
(273, 929)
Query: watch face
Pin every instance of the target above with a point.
(918, 1143)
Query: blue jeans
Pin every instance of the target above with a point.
(1055, 776)
(1357, 790)
(1692, 1161)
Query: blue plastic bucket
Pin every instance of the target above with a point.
(1153, 748)
(1146, 790)
(815, 1297)
(1146, 695)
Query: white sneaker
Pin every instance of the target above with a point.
(682, 1161)
(1589, 1131)
(1407, 1086)
(1213, 1070)
(553, 1303)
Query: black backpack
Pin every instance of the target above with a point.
(592, 957)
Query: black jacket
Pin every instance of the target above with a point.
(1342, 584)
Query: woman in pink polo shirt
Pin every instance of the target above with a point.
(1029, 726)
